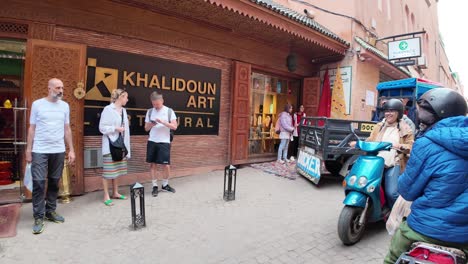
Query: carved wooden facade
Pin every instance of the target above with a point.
(311, 95)
(51, 59)
(201, 32)
(240, 112)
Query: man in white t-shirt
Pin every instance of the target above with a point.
(49, 128)
(159, 121)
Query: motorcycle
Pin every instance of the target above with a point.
(425, 253)
(365, 199)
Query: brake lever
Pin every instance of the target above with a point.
(350, 149)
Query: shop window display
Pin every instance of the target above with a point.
(268, 97)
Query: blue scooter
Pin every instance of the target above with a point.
(363, 192)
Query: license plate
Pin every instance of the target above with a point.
(309, 164)
(367, 127)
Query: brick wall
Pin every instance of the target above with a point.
(190, 154)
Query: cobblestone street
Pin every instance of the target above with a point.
(272, 220)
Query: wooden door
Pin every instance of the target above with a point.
(311, 95)
(67, 62)
(240, 112)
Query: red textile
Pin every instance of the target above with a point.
(325, 99)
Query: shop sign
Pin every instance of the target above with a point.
(192, 91)
(403, 49)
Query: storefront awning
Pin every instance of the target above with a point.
(265, 21)
(291, 15)
(288, 21)
(377, 57)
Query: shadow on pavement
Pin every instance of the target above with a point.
(326, 181)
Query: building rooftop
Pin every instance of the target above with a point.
(300, 18)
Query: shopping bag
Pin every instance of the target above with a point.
(401, 208)
(28, 178)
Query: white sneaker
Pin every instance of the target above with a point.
(288, 161)
(280, 161)
(292, 158)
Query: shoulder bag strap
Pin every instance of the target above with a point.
(149, 113)
(122, 123)
(169, 112)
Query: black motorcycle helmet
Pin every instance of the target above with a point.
(444, 102)
(395, 105)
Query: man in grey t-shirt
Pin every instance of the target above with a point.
(49, 128)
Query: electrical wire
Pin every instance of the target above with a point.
(337, 14)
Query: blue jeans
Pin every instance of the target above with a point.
(391, 184)
(283, 149)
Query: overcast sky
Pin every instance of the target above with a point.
(453, 20)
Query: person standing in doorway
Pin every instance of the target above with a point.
(49, 129)
(159, 121)
(297, 118)
(286, 130)
(113, 122)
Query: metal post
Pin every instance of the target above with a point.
(235, 181)
(142, 207)
(137, 191)
(224, 189)
(230, 174)
(132, 199)
(229, 182)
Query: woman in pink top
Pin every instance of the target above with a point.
(286, 130)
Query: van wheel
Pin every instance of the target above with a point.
(333, 166)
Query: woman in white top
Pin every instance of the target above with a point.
(114, 121)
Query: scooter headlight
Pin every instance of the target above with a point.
(362, 181)
(352, 180)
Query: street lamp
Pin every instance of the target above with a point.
(137, 191)
(230, 178)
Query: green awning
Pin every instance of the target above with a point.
(11, 63)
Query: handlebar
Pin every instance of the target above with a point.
(346, 140)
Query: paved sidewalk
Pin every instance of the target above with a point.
(272, 220)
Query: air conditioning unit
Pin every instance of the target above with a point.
(92, 158)
(422, 62)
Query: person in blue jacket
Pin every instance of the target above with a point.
(436, 177)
